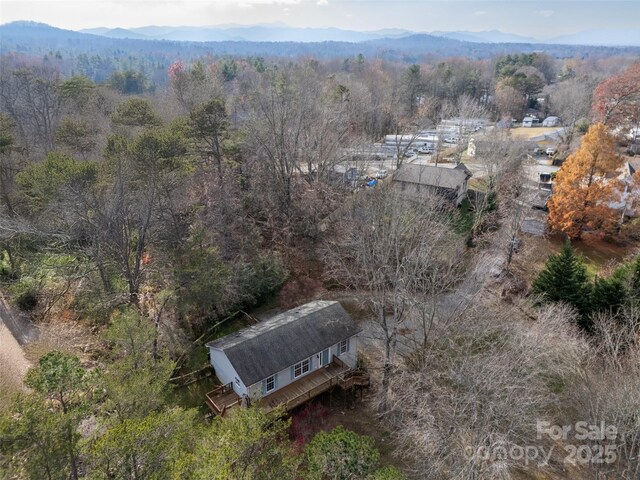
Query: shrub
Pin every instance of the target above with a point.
(341, 455)
(388, 473)
(27, 300)
(582, 126)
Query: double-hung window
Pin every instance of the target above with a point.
(270, 383)
(301, 368)
(343, 347)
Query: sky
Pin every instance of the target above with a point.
(542, 19)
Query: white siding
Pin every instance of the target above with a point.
(284, 379)
(284, 376)
(225, 371)
(350, 357)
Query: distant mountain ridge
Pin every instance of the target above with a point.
(278, 32)
(37, 39)
(249, 33)
(492, 36)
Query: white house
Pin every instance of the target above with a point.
(310, 346)
(529, 122)
(551, 122)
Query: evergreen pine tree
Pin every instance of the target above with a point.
(628, 276)
(634, 280)
(608, 295)
(564, 279)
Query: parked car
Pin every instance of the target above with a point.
(410, 153)
(451, 140)
(425, 149)
(538, 151)
(550, 151)
(381, 174)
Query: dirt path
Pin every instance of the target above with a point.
(18, 323)
(13, 364)
(15, 330)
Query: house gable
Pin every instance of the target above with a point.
(225, 372)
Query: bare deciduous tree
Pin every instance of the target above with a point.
(608, 391)
(385, 250)
(29, 96)
(571, 101)
(484, 382)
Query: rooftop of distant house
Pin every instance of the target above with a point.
(438, 176)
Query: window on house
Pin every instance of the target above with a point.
(301, 368)
(237, 381)
(270, 383)
(343, 347)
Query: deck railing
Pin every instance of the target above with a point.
(345, 377)
(312, 393)
(338, 361)
(216, 394)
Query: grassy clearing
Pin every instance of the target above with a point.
(599, 255)
(527, 133)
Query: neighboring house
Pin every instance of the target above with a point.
(342, 173)
(287, 359)
(529, 122)
(420, 180)
(628, 202)
(540, 199)
(545, 181)
(551, 122)
(506, 124)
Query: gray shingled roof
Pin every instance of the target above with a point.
(434, 176)
(261, 350)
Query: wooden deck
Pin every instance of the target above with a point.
(337, 373)
(306, 388)
(221, 399)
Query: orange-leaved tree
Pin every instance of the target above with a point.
(581, 194)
